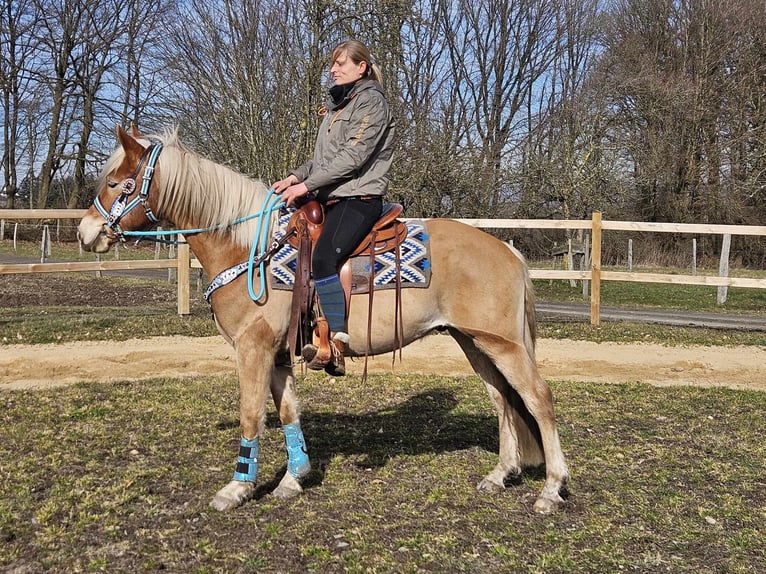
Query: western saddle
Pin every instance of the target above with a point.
(306, 321)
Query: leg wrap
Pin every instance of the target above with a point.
(247, 461)
(333, 302)
(297, 459)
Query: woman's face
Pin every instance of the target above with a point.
(345, 71)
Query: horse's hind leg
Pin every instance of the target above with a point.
(513, 361)
(510, 458)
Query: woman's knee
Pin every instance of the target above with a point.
(323, 263)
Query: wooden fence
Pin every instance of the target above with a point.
(591, 273)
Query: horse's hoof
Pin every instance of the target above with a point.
(232, 495)
(289, 487)
(489, 485)
(547, 505)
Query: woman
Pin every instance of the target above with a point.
(348, 174)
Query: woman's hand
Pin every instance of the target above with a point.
(283, 184)
(290, 189)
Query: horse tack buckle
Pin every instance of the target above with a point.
(128, 186)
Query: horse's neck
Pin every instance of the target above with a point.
(216, 252)
(189, 198)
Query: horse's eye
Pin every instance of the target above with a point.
(112, 184)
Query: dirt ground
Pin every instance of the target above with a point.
(43, 366)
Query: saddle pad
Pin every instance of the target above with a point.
(415, 262)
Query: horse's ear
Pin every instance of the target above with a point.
(129, 144)
(134, 130)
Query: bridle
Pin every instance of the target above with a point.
(123, 204)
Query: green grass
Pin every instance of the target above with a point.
(69, 251)
(35, 325)
(117, 477)
(51, 308)
(613, 293)
(658, 295)
(617, 332)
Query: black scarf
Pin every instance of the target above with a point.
(341, 94)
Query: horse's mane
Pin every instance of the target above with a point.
(198, 193)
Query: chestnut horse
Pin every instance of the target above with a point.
(480, 292)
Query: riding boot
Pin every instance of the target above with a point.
(319, 352)
(336, 367)
(332, 362)
(327, 352)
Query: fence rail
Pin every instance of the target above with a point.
(594, 274)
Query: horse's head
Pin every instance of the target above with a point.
(124, 198)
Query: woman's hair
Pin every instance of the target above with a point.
(358, 53)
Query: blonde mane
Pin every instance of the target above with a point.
(198, 193)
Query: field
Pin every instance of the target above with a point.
(114, 474)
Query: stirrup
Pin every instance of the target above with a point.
(314, 360)
(333, 362)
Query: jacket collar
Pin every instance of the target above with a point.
(343, 94)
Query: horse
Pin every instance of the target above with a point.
(480, 292)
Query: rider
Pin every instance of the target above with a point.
(348, 175)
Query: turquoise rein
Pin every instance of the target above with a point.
(272, 203)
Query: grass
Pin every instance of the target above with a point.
(69, 251)
(659, 296)
(57, 308)
(618, 332)
(116, 477)
(54, 308)
(35, 325)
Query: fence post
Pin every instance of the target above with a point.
(45, 248)
(570, 262)
(184, 266)
(15, 232)
(595, 271)
(2, 229)
(157, 246)
(172, 273)
(585, 262)
(630, 255)
(723, 268)
(694, 256)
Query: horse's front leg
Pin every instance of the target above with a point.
(255, 363)
(288, 405)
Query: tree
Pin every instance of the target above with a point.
(17, 22)
(65, 23)
(100, 52)
(687, 84)
(564, 171)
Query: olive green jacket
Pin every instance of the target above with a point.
(353, 151)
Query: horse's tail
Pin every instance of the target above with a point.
(530, 321)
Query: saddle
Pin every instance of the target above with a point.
(303, 229)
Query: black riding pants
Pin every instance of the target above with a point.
(346, 223)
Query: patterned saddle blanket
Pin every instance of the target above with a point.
(415, 261)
